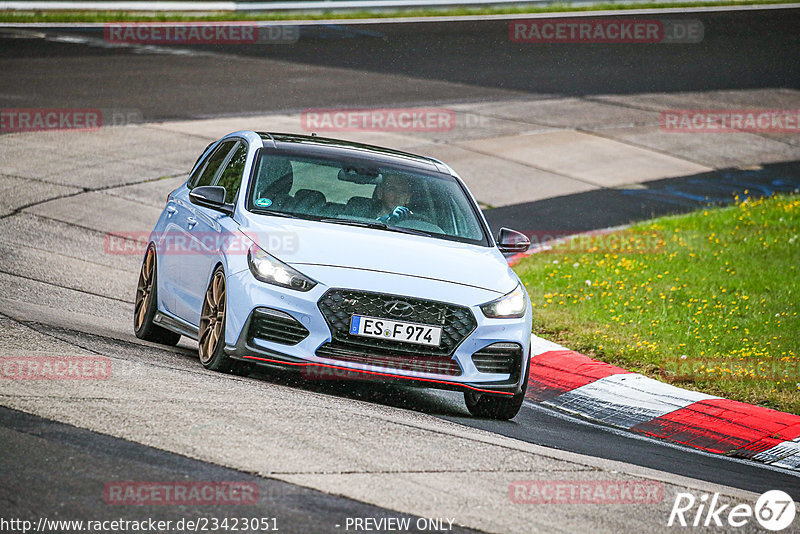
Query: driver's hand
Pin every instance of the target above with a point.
(397, 214)
(400, 213)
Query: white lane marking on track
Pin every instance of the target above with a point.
(626, 400)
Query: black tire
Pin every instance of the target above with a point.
(145, 304)
(211, 333)
(501, 407)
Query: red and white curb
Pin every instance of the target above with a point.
(602, 392)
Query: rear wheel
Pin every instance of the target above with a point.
(145, 306)
(501, 407)
(211, 334)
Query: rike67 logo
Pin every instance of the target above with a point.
(774, 510)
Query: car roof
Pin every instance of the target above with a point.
(339, 147)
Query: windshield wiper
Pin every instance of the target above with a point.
(404, 230)
(350, 222)
(376, 224)
(276, 214)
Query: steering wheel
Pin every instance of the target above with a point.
(415, 221)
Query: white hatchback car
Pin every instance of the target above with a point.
(320, 254)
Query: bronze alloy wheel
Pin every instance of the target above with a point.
(144, 290)
(212, 318)
(145, 307)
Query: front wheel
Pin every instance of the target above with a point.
(490, 406)
(211, 334)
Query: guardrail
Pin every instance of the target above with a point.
(313, 5)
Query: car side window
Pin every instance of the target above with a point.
(231, 177)
(209, 169)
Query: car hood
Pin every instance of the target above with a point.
(301, 242)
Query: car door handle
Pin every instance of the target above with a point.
(171, 210)
(190, 222)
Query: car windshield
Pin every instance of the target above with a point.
(349, 192)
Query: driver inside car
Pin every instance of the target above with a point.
(392, 196)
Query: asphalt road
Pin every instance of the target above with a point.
(392, 64)
(364, 65)
(65, 481)
(368, 65)
(609, 207)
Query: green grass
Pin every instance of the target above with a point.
(706, 301)
(109, 16)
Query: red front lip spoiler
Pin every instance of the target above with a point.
(375, 373)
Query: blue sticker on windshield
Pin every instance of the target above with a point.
(263, 202)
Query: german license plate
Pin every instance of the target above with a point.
(421, 334)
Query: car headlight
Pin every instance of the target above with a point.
(273, 271)
(510, 305)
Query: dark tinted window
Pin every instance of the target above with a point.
(231, 177)
(206, 173)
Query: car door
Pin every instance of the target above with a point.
(182, 253)
(211, 231)
(172, 241)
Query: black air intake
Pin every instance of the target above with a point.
(500, 358)
(276, 326)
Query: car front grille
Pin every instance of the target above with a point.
(498, 358)
(339, 305)
(276, 326)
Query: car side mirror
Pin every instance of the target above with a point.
(511, 241)
(211, 196)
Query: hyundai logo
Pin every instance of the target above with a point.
(398, 308)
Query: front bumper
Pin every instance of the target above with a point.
(317, 354)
